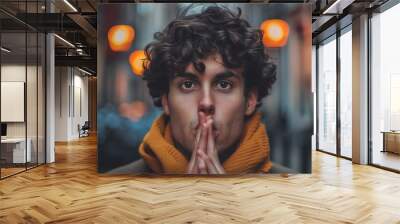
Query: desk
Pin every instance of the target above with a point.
(391, 141)
(13, 150)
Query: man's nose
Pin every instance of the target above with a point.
(206, 104)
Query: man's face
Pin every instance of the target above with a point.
(219, 93)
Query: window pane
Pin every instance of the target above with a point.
(327, 96)
(386, 89)
(346, 94)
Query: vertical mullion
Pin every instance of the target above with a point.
(369, 89)
(317, 96)
(37, 88)
(73, 93)
(26, 85)
(45, 86)
(60, 88)
(0, 94)
(338, 77)
(69, 93)
(45, 94)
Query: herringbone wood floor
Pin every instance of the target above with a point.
(71, 191)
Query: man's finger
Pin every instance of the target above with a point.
(196, 143)
(202, 148)
(202, 166)
(202, 119)
(210, 166)
(210, 139)
(197, 165)
(193, 166)
(212, 151)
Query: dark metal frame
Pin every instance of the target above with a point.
(45, 90)
(369, 90)
(316, 97)
(0, 95)
(338, 98)
(26, 88)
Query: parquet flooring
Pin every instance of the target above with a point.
(387, 159)
(10, 171)
(71, 191)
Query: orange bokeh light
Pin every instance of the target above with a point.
(137, 60)
(120, 37)
(134, 110)
(275, 32)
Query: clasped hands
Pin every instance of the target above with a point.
(204, 159)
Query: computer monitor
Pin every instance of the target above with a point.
(3, 129)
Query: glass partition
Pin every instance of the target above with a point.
(31, 100)
(41, 91)
(22, 77)
(13, 103)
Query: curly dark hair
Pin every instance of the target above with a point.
(191, 38)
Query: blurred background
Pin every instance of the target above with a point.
(125, 108)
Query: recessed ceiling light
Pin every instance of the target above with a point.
(64, 40)
(337, 7)
(5, 50)
(84, 71)
(70, 5)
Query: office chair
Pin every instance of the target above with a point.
(84, 130)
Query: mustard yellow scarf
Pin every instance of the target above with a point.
(252, 155)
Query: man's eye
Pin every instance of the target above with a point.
(224, 85)
(187, 85)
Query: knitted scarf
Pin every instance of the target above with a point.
(252, 154)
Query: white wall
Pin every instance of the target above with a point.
(71, 94)
(81, 112)
(61, 103)
(16, 73)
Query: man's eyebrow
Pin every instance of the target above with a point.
(227, 74)
(186, 75)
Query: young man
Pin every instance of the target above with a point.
(209, 72)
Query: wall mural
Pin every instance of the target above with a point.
(204, 88)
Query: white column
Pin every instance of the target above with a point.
(360, 90)
(50, 93)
